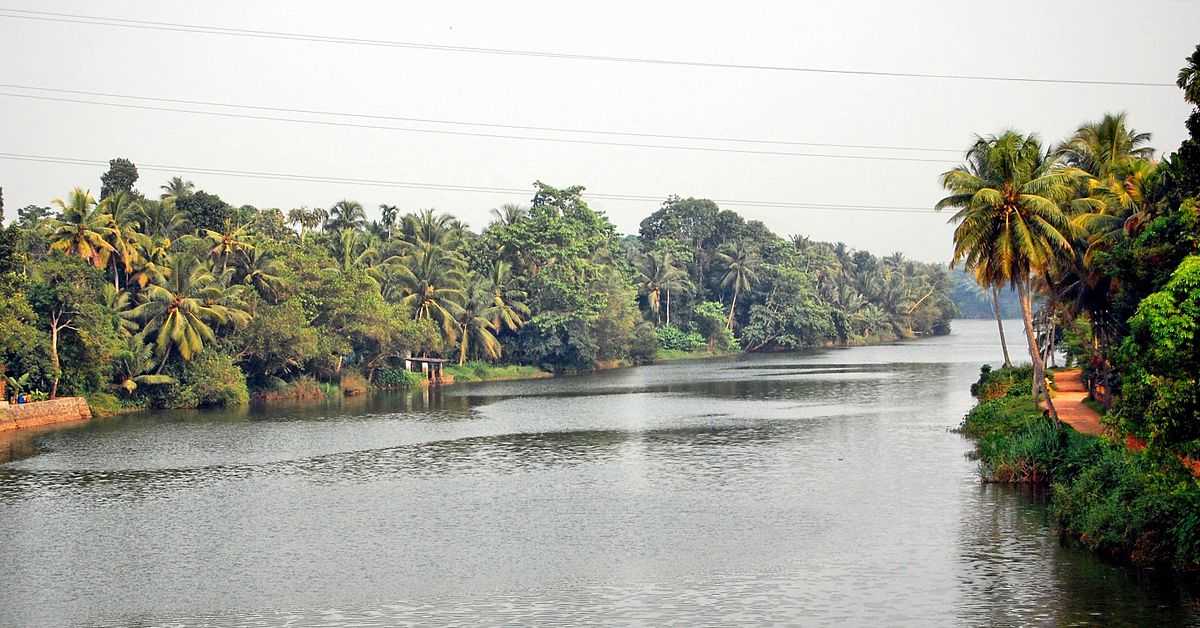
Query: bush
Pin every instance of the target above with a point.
(671, 338)
(396, 378)
(1009, 381)
(1139, 506)
(645, 344)
(104, 404)
(353, 383)
(209, 379)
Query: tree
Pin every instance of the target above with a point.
(66, 293)
(204, 211)
(228, 243)
(176, 189)
(741, 272)
(660, 275)
(181, 313)
(509, 214)
(125, 211)
(432, 282)
(133, 366)
(345, 214)
(121, 176)
(1189, 78)
(1010, 224)
(1105, 147)
(476, 329)
(507, 309)
(81, 230)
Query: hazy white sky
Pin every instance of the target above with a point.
(1069, 39)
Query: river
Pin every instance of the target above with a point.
(823, 488)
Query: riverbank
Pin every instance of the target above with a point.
(62, 411)
(1127, 504)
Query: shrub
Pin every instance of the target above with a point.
(353, 383)
(671, 338)
(396, 378)
(103, 404)
(1009, 381)
(645, 344)
(209, 379)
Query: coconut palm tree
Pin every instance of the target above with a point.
(233, 242)
(1189, 78)
(509, 214)
(161, 219)
(134, 365)
(181, 312)
(261, 271)
(741, 272)
(176, 188)
(432, 281)
(659, 277)
(345, 214)
(117, 303)
(126, 212)
(507, 309)
(1102, 148)
(81, 229)
(427, 226)
(1010, 221)
(475, 327)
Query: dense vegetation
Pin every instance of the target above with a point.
(1109, 239)
(183, 300)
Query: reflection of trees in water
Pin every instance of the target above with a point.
(1015, 571)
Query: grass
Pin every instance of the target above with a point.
(484, 372)
(667, 355)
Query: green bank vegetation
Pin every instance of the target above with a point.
(1107, 238)
(180, 299)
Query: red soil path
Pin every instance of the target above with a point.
(1068, 400)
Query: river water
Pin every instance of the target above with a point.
(813, 489)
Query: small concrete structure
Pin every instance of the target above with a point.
(430, 368)
(40, 413)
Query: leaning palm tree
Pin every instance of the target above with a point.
(741, 273)
(81, 229)
(1010, 221)
(431, 281)
(474, 326)
(181, 312)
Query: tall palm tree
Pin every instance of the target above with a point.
(177, 188)
(509, 214)
(474, 325)
(229, 244)
(161, 219)
(126, 212)
(1104, 147)
(1010, 221)
(660, 275)
(389, 219)
(741, 272)
(346, 214)
(432, 282)
(1189, 78)
(81, 229)
(429, 227)
(180, 313)
(507, 309)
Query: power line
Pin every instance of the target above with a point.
(521, 127)
(95, 20)
(530, 138)
(281, 176)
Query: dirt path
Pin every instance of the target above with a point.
(1068, 400)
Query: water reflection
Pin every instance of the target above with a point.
(822, 488)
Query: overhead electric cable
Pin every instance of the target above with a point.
(529, 138)
(522, 127)
(281, 176)
(97, 20)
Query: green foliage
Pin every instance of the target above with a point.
(791, 317)
(121, 176)
(1004, 382)
(484, 371)
(104, 404)
(396, 378)
(1160, 393)
(205, 211)
(671, 338)
(210, 379)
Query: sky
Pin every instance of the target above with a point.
(1063, 40)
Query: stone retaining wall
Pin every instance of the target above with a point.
(39, 413)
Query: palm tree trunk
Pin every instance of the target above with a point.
(729, 323)
(462, 348)
(1000, 325)
(1035, 354)
(668, 306)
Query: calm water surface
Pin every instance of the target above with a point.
(816, 489)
